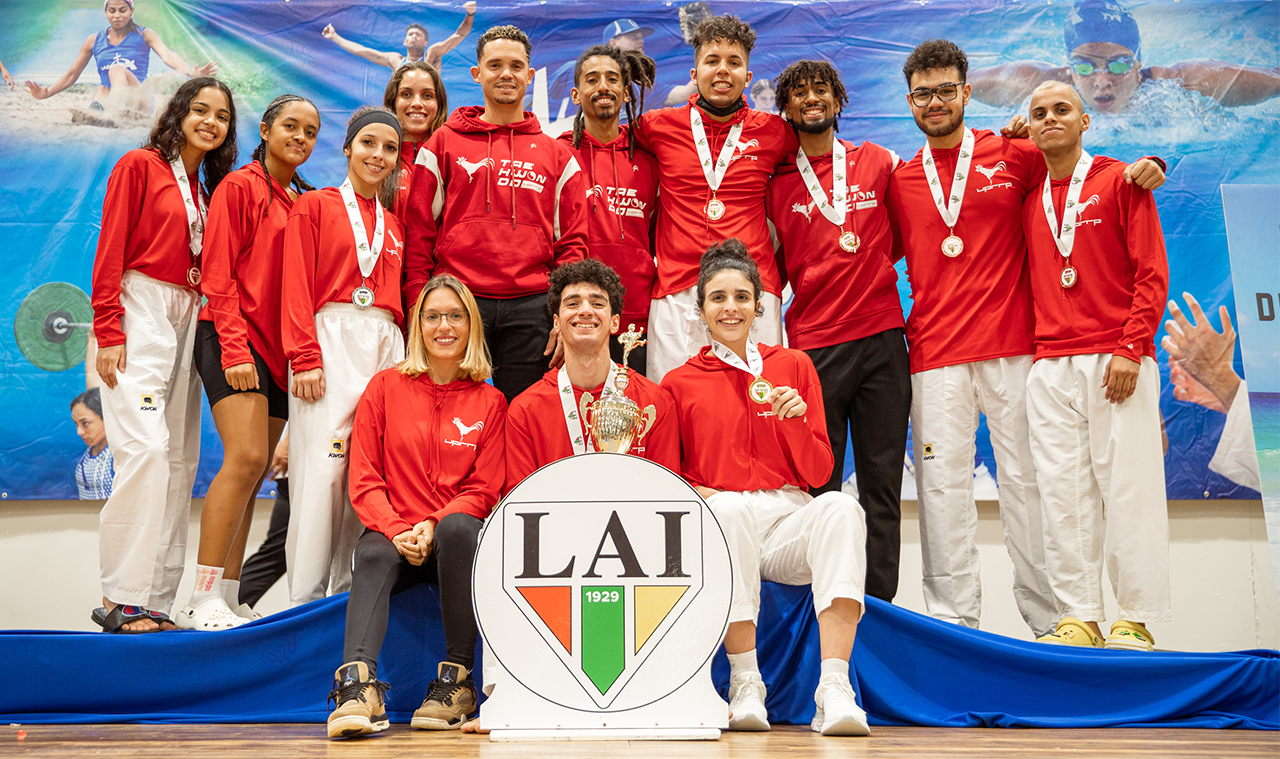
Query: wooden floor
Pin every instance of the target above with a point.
(271, 741)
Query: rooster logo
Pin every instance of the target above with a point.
(1092, 201)
(463, 429)
(991, 172)
(472, 167)
(804, 209)
(740, 149)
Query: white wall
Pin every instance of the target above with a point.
(1224, 595)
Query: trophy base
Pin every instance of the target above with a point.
(607, 734)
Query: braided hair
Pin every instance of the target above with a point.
(638, 71)
(260, 152)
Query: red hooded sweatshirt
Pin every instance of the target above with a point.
(730, 442)
(839, 296)
(498, 207)
(144, 229)
(622, 196)
(684, 232)
(242, 268)
(423, 451)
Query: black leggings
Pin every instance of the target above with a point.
(380, 572)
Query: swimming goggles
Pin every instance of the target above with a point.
(1118, 65)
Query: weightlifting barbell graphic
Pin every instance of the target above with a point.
(52, 326)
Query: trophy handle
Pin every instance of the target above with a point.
(650, 415)
(583, 406)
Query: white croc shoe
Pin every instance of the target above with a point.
(210, 614)
(838, 711)
(746, 703)
(246, 611)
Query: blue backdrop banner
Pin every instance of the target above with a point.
(1202, 100)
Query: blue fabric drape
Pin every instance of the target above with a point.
(908, 670)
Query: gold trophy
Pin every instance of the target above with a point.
(616, 421)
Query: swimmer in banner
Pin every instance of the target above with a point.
(1104, 64)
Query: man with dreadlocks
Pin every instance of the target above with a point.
(831, 232)
(622, 182)
(717, 155)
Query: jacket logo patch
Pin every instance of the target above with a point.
(463, 431)
(990, 174)
(621, 201)
(149, 403)
(337, 449)
(928, 452)
(740, 150)
(472, 167)
(521, 174)
(1093, 200)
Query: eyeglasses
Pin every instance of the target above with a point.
(923, 96)
(455, 318)
(1118, 65)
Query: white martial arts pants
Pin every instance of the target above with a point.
(355, 344)
(788, 536)
(945, 403)
(677, 332)
(152, 418)
(1101, 471)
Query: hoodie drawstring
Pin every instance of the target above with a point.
(511, 133)
(488, 154)
(613, 156)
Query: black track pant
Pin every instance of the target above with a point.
(380, 572)
(267, 564)
(516, 331)
(866, 387)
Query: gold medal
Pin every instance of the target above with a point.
(715, 210)
(759, 389)
(1069, 277)
(952, 246)
(850, 242)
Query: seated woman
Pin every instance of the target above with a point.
(426, 469)
(754, 438)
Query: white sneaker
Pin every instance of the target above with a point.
(210, 614)
(746, 703)
(838, 712)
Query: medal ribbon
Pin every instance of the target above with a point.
(835, 210)
(714, 174)
(950, 209)
(195, 213)
(754, 364)
(366, 256)
(577, 428)
(1066, 238)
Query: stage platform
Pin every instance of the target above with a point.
(908, 670)
(261, 741)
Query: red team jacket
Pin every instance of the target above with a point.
(684, 232)
(423, 451)
(498, 207)
(537, 434)
(242, 268)
(976, 306)
(144, 229)
(729, 442)
(622, 196)
(839, 296)
(1116, 304)
(320, 267)
(408, 154)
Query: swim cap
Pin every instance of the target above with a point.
(1102, 21)
(105, 3)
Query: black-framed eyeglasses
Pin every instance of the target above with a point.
(1118, 65)
(455, 318)
(947, 92)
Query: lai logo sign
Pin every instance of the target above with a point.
(601, 586)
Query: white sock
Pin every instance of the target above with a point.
(208, 584)
(745, 662)
(231, 593)
(835, 667)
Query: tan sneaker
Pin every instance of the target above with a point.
(358, 698)
(1130, 636)
(451, 698)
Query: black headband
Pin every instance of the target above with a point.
(372, 117)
